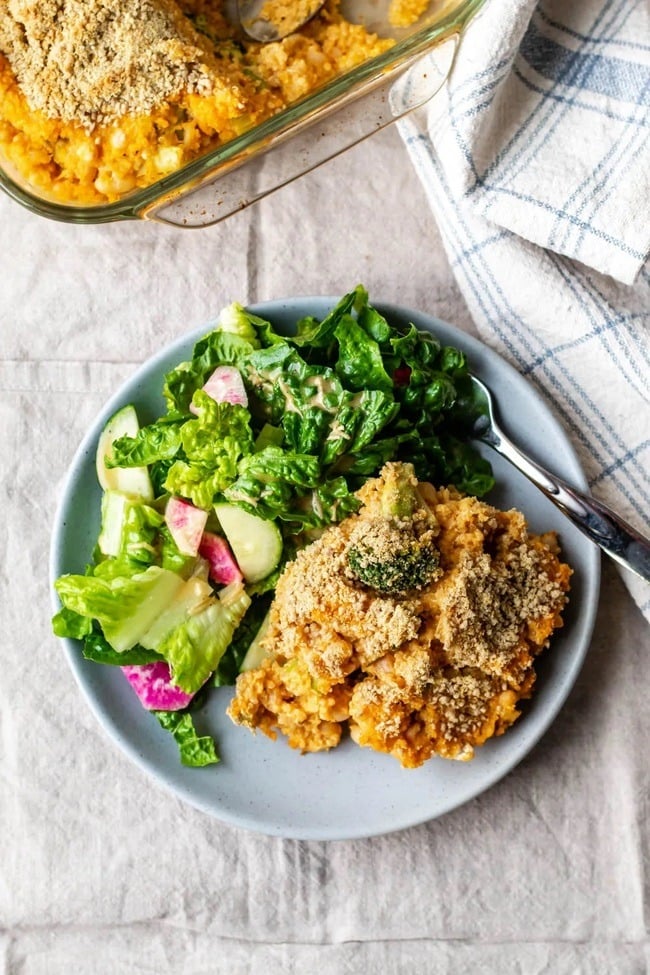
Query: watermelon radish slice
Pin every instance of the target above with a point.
(216, 551)
(186, 524)
(225, 385)
(152, 683)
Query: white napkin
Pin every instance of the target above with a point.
(536, 161)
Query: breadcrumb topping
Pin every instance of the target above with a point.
(487, 602)
(316, 588)
(436, 671)
(93, 60)
(99, 98)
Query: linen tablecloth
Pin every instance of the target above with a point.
(104, 873)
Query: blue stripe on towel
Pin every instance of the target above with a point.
(625, 80)
(624, 150)
(574, 101)
(544, 116)
(611, 325)
(575, 221)
(631, 454)
(633, 45)
(633, 143)
(641, 356)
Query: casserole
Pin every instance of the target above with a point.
(244, 168)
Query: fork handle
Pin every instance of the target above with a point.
(596, 520)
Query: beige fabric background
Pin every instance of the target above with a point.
(103, 873)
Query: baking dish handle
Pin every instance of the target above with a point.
(308, 146)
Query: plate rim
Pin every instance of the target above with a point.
(183, 344)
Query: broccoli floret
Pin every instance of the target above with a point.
(395, 551)
(409, 567)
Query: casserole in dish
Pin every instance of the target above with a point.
(171, 114)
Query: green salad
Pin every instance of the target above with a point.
(264, 442)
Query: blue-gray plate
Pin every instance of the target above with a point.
(349, 792)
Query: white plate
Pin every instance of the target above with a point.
(350, 792)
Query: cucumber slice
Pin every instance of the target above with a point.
(256, 543)
(256, 653)
(114, 507)
(130, 480)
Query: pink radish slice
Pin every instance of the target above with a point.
(152, 683)
(225, 385)
(216, 551)
(186, 524)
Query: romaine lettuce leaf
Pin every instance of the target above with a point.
(265, 373)
(357, 422)
(216, 348)
(213, 443)
(195, 750)
(133, 527)
(221, 348)
(269, 436)
(453, 361)
(415, 348)
(171, 557)
(96, 647)
(372, 456)
(179, 387)
(374, 323)
(194, 649)
(140, 533)
(234, 319)
(267, 481)
(68, 623)
(125, 607)
(157, 441)
(360, 364)
(318, 335)
(327, 503)
(228, 668)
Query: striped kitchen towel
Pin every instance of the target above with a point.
(536, 161)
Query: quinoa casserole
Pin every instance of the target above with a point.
(99, 98)
(413, 663)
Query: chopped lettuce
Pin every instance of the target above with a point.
(213, 443)
(124, 606)
(270, 480)
(360, 363)
(350, 392)
(97, 648)
(312, 334)
(139, 534)
(158, 441)
(235, 320)
(228, 667)
(194, 649)
(194, 750)
(68, 623)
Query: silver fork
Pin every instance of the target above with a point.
(596, 520)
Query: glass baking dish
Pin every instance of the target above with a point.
(297, 139)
